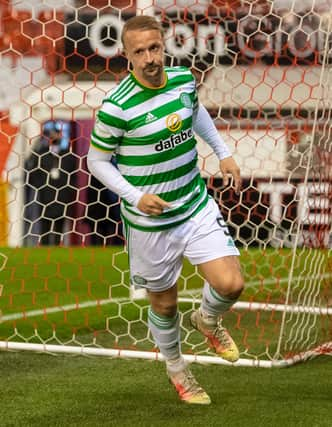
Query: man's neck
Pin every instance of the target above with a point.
(158, 82)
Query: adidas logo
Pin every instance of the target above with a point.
(149, 118)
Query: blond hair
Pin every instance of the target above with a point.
(141, 23)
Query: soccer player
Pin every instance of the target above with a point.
(149, 121)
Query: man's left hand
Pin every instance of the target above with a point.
(228, 167)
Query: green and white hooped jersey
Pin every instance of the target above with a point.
(151, 132)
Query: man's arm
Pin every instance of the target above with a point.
(205, 128)
(99, 164)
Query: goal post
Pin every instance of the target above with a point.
(264, 74)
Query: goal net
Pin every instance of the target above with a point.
(263, 71)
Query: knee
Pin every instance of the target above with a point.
(164, 308)
(230, 284)
(164, 303)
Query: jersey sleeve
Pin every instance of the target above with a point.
(109, 127)
(204, 126)
(195, 97)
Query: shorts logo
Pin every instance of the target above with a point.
(230, 243)
(139, 280)
(173, 122)
(186, 100)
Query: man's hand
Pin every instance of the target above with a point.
(152, 204)
(229, 166)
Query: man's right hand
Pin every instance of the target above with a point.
(152, 204)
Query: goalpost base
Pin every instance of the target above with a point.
(152, 355)
(325, 348)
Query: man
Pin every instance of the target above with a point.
(149, 120)
(51, 185)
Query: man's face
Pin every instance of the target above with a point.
(145, 50)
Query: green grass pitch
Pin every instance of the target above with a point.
(68, 293)
(55, 295)
(64, 391)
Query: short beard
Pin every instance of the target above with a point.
(157, 79)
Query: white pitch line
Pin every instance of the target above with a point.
(285, 280)
(68, 307)
(96, 303)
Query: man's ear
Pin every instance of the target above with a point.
(124, 53)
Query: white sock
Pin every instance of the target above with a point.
(209, 319)
(166, 334)
(176, 365)
(214, 304)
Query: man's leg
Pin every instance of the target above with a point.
(223, 286)
(163, 320)
(164, 324)
(225, 283)
(156, 268)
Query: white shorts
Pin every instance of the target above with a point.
(155, 258)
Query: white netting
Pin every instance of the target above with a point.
(263, 72)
